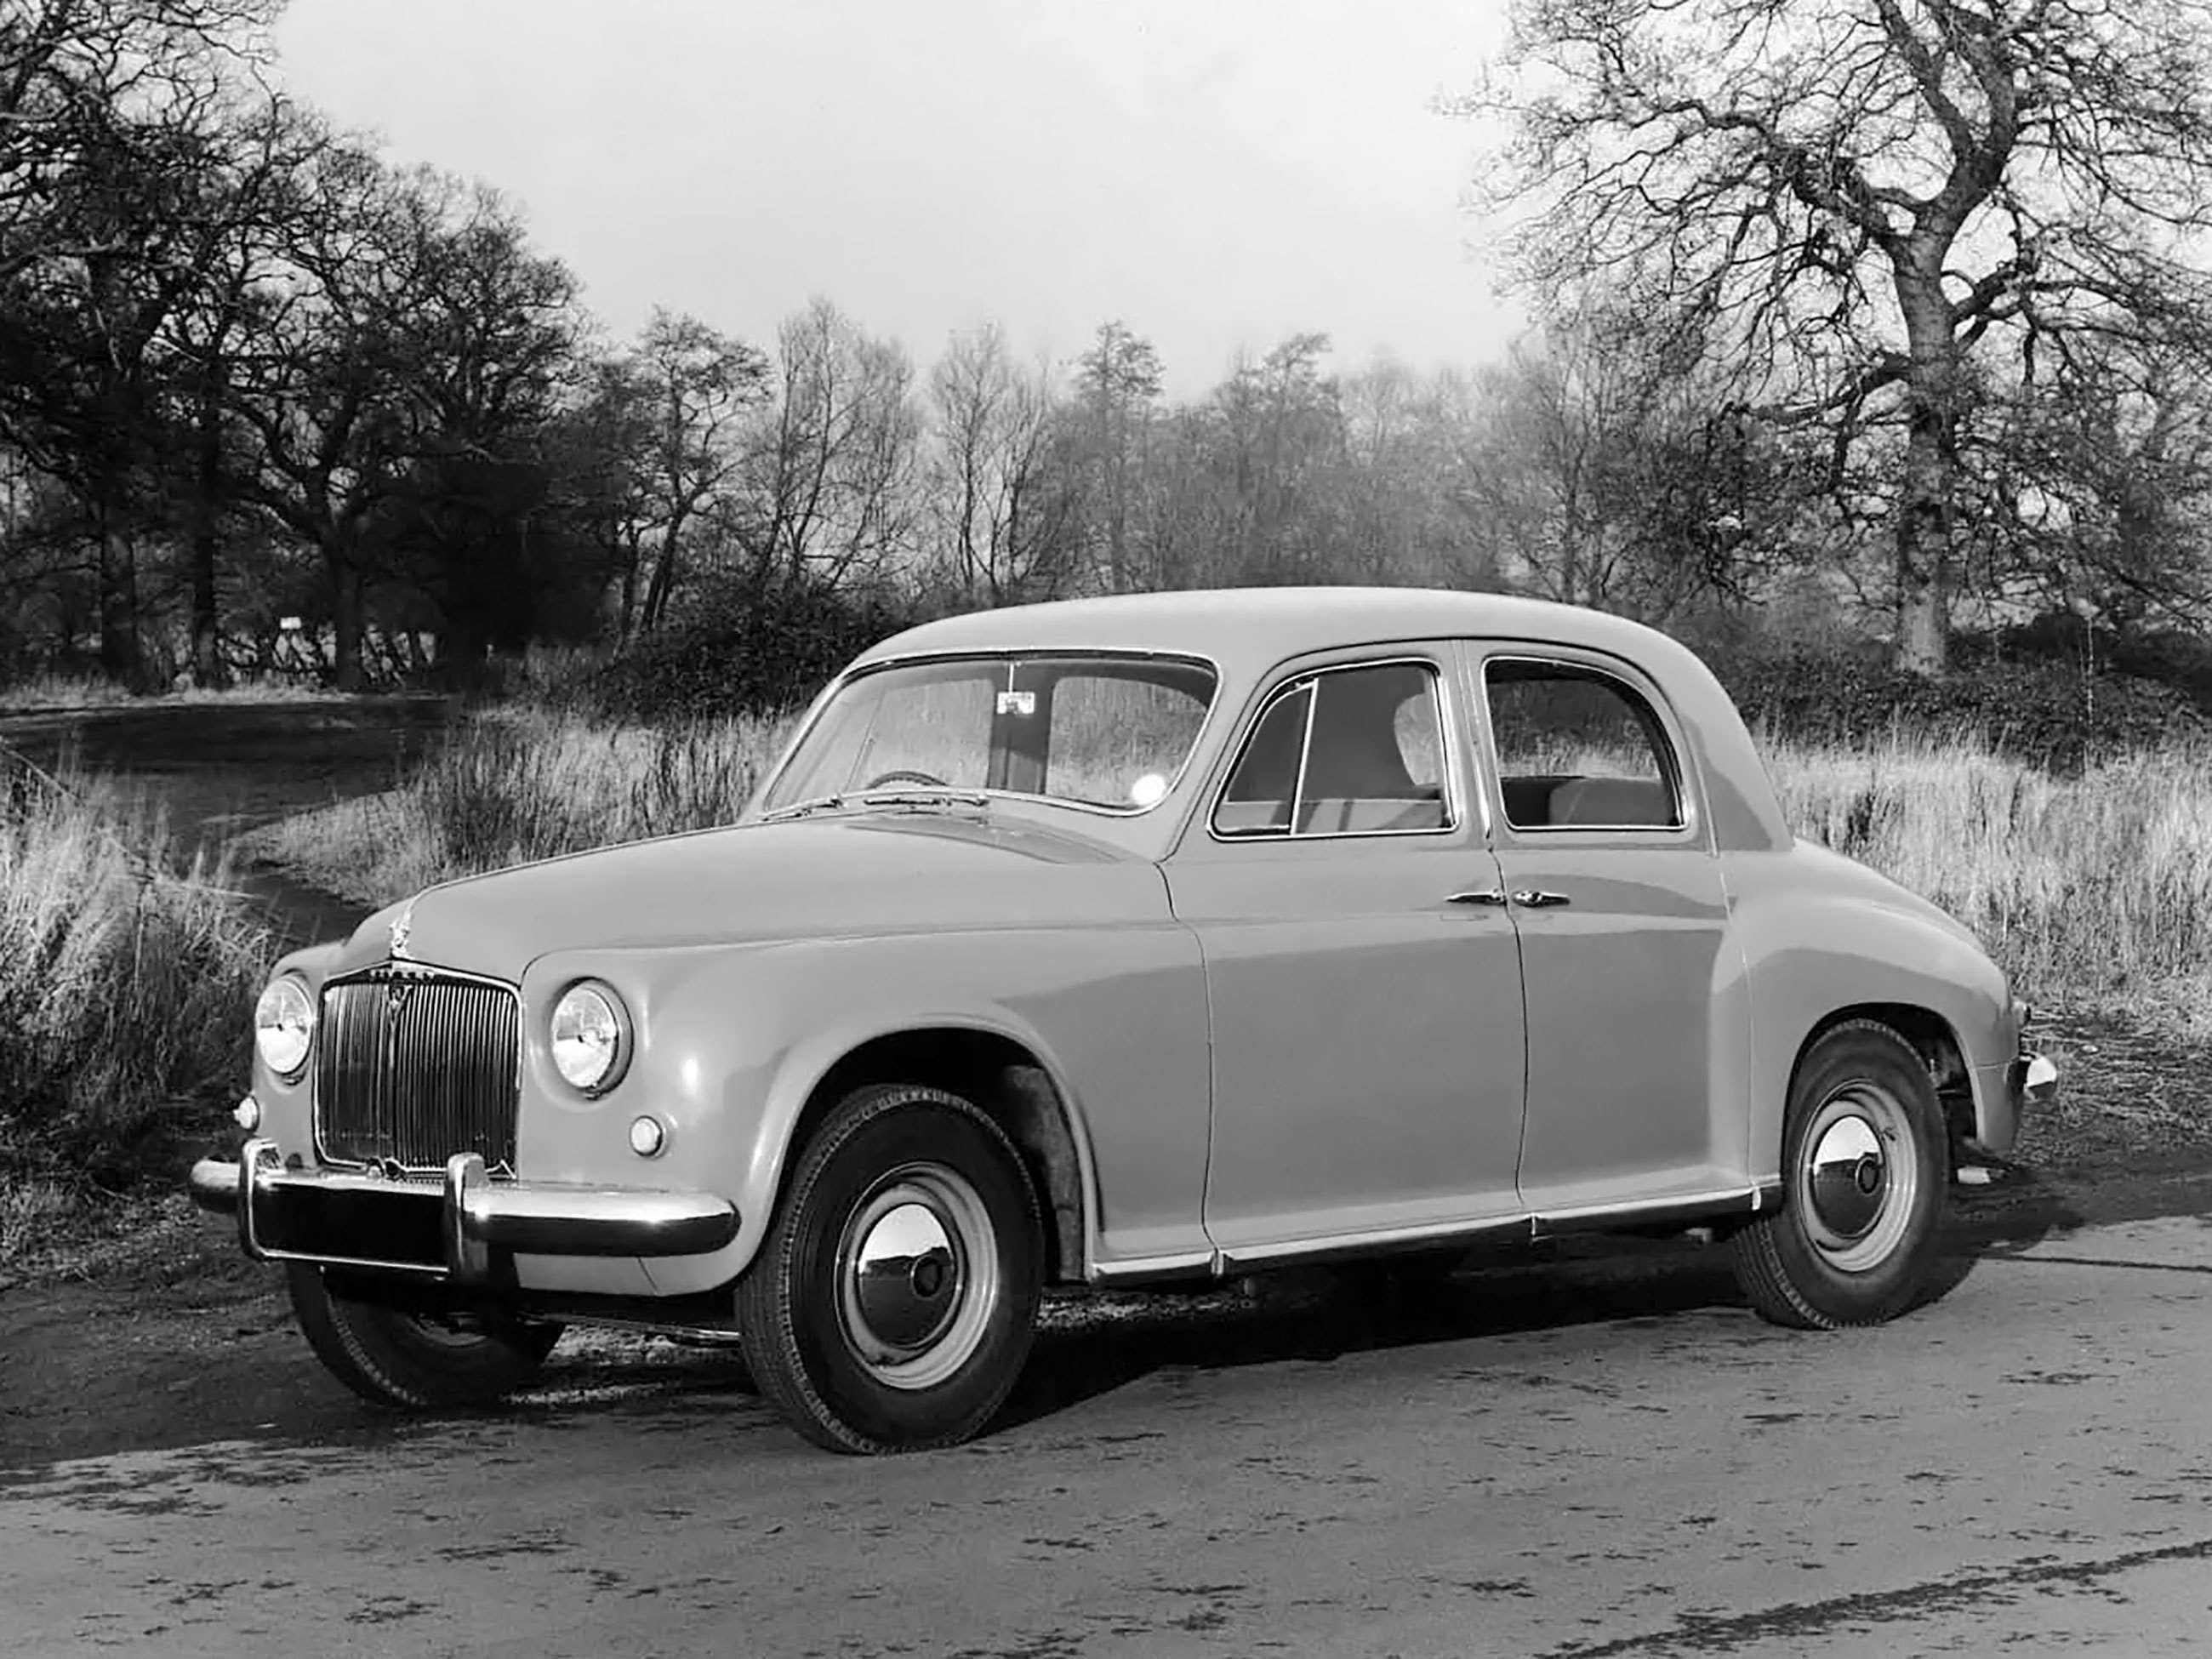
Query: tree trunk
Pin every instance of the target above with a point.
(209, 669)
(346, 626)
(1931, 466)
(119, 597)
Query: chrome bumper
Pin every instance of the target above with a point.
(449, 1229)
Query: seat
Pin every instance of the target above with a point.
(1613, 803)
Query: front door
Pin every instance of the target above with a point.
(1364, 981)
(1624, 948)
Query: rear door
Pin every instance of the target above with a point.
(1616, 892)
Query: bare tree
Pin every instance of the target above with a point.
(1002, 490)
(1117, 388)
(1875, 208)
(689, 389)
(831, 467)
(77, 74)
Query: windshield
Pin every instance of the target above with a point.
(1102, 731)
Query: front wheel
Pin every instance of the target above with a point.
(422, 1360)
(1865, 1165)
(893, 1301)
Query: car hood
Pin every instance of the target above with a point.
(880, 872)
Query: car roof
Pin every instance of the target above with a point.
(1249, 629)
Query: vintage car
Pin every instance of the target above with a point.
(1126, 942)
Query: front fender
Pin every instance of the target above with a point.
(730, 1044)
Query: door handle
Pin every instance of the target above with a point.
(1486, 895)
(1535, 898)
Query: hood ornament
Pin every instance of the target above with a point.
(402, 926)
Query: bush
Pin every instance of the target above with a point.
(741, 652)
(125, 988)
(2049, 715)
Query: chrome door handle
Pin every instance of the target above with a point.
(1537, 899)
(1487, 896)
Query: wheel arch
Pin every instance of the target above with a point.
(1931, 1036)
(1004, 1077)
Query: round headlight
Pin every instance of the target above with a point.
(284, 1025)
(588, 1045)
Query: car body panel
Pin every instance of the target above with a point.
(1367, 1037)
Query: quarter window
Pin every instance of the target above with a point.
(1579, 749)
(1349, 751)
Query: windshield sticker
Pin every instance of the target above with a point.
(1023, 703)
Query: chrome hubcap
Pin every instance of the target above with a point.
(917, 1276)
(1860, 1175)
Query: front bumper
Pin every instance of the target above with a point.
(458, 1230)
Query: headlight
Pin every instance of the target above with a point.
(591, 1042)
(284, 1025)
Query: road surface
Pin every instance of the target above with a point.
(1574, 1460)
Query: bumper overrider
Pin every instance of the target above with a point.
(2033, 1080)
(458, 1229)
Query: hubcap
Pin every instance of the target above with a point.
(917, 1276)
(1859, 1177)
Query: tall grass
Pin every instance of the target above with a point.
(126, 985)
(2092, 888)
(514, 785)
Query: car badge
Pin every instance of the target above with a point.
(396, 993)
(402, 926)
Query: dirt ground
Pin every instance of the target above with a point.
(181, 1341)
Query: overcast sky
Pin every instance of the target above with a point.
(1218, 174)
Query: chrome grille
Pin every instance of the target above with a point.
(412, 1067)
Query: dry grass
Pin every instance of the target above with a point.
(522, 784)
(126, 989)
(2094, 891)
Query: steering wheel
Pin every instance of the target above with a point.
(905, 775)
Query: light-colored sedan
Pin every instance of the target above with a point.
(1125, 942)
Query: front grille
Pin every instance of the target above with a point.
(413, 1065)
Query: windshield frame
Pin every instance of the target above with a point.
(755, 809)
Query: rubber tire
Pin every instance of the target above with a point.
(1781, 1273)
(786, 1303)
(382, 1353)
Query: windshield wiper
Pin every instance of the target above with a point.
(923, 798)
(802, 809)
(877, 798)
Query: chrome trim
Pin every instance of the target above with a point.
(1146, 1269)
(466, 1257)
(478, 1214)
(291, 1079)
(625, 1036)
(1236, 1257)
(1719, 1200)
(753, 808)
(1448, 739)
(419, 970)
(2035, 1079)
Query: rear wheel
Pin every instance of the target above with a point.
(422, 1360)
(1865, 1165)
(893, 1301)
